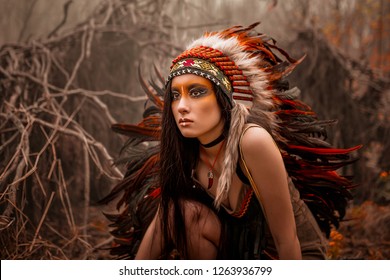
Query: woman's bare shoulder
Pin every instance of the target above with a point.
(255, 135)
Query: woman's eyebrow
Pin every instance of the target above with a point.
(197, 85)
(189, 87)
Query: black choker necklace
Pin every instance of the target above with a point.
(214, 142)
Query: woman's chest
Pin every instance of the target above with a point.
(210, 185)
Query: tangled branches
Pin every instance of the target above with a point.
(54, 131)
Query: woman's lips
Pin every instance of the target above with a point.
(184, 122)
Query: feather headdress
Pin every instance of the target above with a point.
(245, 65)
(242, 63)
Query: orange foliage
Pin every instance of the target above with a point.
(364, 234)
(335, 244)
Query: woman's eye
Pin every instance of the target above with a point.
(175, 95)
(198, 92)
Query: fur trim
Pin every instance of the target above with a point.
(238, 120)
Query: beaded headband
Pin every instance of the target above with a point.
(204, 69)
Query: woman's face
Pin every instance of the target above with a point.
(195, 108)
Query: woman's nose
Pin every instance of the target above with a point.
(183, 106)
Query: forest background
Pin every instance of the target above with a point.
(69, 70)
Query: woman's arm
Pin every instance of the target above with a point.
(150, 247)
(266, 166)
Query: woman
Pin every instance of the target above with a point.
(230, 128)
(195, 111)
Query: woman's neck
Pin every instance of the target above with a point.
(213, 137)
(212, 152)
(215, 142)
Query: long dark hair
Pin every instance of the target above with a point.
(178, 156)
